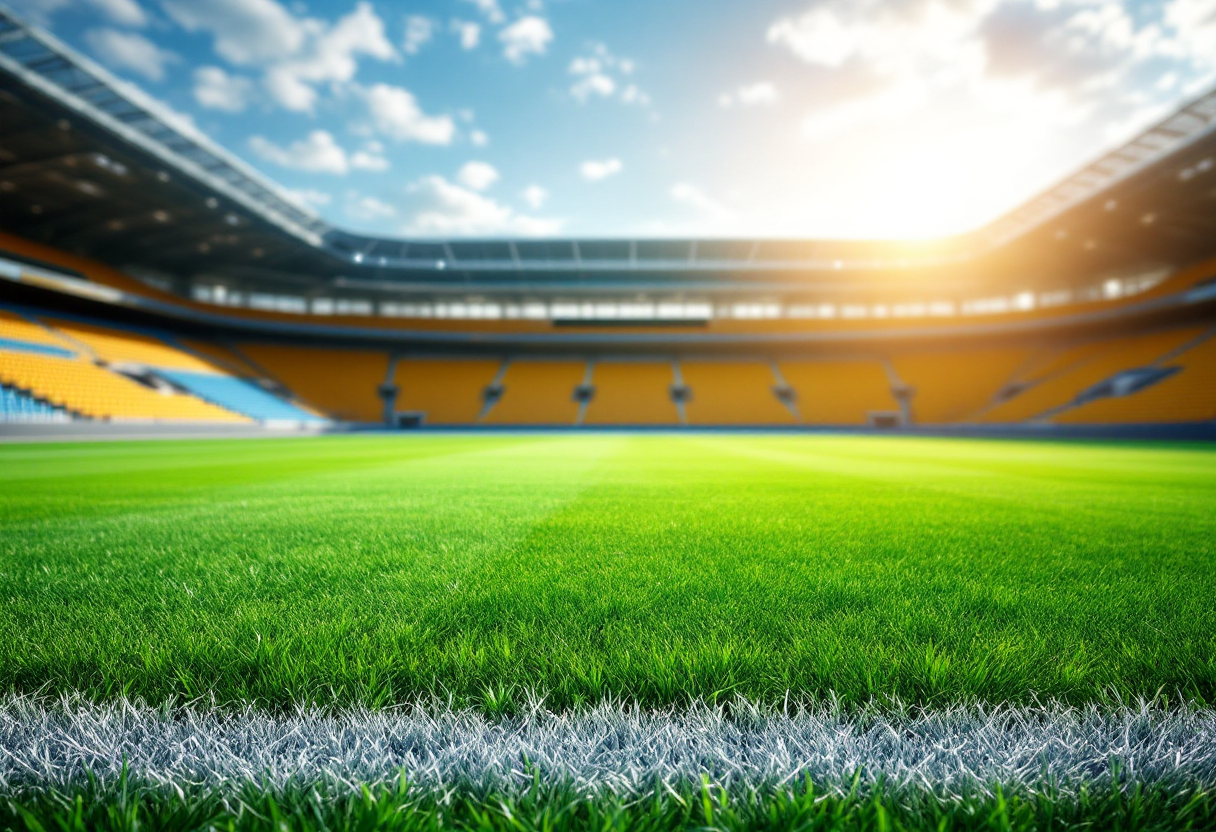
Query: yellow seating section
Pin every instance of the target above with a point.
(222, 357)
(1186, 396)
(839, 392)
(80, 386)
(951, 386)
(733, 393)
(17, 328)
(955, 386)
(538, 393)
(1083, 366)
(117, 346)
(449, 392)
(341, 383)
(635, 393)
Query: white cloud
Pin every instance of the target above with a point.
(1020, 59)
(369, 158)
(330, 56)
(818, 36)
(368, 208)
(477, 175)
(468, 32)
(596, 84)
(215, 89)
(594, 170)
(632, 95)
(535, 196)
(711, 209)
(447, 208)
(245, 31)
(602, 74)
(122, 12)
(318, 153)
(751, 95)
(490, 10)
(1194, 21)
(529, 35)
(396, 114)
(418, 31)
(309, 197)
(297, 53)
(478, 138)
(130, 51)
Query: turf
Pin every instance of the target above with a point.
(132, 807)
(656, 568)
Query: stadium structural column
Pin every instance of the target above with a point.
(785, 392)
(493, 391)
(680, 392)
(388, 391)
(584, 393)
(900, 391)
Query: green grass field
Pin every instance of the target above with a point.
(655, 568)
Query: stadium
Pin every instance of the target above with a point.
(305, 528)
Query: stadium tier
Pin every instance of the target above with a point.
(537, 393)
(839, 392)
(64, 369)
(443, 392)
(339, 382)
(632, 393)
(732, 393)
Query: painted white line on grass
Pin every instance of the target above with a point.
(956, 750)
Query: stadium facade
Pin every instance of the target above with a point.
(148, 274)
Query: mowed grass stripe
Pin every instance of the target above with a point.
(241, 587)
(656, 568)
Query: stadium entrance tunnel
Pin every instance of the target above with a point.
(408, 419)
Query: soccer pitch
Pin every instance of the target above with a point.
(861, 575)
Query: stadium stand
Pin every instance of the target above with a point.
(444, 392)
(839, 392)
(81, 387)
(1080, 367)
(538, 393)
(222, 357)
(632, 393)
(121, 347)
(1187, 394)
(952, 386)
(17, 332)
(733, 393)
(342, 383)
(239, 396)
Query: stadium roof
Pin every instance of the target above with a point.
(93, 164)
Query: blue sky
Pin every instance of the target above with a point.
(809, 118)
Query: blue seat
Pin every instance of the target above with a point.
(16, 406)
(239, 396)
(29, 346)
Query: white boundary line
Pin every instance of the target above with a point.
(952, 751)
